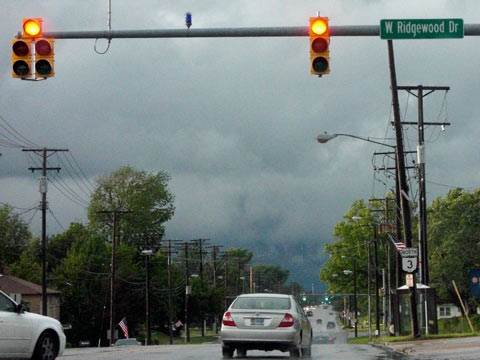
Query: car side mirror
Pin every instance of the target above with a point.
(20, 308)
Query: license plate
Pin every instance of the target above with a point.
(257, 321)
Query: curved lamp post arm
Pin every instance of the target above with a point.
(323, 138)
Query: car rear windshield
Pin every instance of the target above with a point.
(264, 303)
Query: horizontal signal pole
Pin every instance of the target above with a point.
(335, 30)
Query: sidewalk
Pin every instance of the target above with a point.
(465, 348)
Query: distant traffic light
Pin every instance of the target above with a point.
(32, 28)
(319, 46)
(44, 57)
(304, 298)
(21, 58)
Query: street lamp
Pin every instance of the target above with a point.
(323, 138)
(147, 254)
(354, 272)
(243, 284)
(377, 300)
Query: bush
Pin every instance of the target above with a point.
(475, 319)
(451, 325)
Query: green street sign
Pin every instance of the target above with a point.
(392, 29)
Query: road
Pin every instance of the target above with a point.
(338, 351)
(442, 349)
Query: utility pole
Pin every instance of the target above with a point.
(170, 303)
(239, 263)
(422, 197)
(147, 252)
(355, 296)
(404, 198)
(200, 244)
(377, 300)
(225, 280)
(214, 259)
(188, 291)
(43, 190)
(115, 213)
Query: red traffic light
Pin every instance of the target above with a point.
(32, 27)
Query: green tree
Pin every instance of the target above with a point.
(351, 246)
(142, 193)
(454, 245)
(28, 267)
(14, 236)
(270, 277)
(82, 277)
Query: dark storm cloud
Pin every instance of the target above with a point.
(234, 120)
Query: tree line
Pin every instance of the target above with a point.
(78, 261)
(453, 243)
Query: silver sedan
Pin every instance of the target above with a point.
(266, 322)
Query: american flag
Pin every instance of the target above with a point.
(178, 324)
(124, 327)
(398, 244)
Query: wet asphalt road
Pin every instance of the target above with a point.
(340, 350)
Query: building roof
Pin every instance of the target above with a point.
(13, 285)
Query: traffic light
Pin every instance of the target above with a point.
(32, 28)
(44, 57)
(21, 58)
(319, 46)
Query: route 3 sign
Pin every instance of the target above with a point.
(409, 259)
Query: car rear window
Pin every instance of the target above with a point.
(264, 303)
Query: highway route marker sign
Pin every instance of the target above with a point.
(409, 259)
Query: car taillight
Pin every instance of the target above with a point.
(227, 319)
(287, 321)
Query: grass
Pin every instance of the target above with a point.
(363, 340)
(195, 337)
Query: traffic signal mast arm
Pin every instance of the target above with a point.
(292, 31)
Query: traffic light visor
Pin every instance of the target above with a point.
(32, 27)
(319, 26)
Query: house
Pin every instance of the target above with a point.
(445, 311)
(30, 294)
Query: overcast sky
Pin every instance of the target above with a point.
(233, 121)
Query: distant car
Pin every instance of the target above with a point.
(325, 306)
(320, 339)
(127, 342)
(309, 313)
(332, 314)
(25, 335)
(330, 325)
(323, 339)
(265, 322)
(319, 321)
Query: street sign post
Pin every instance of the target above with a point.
(409, 259)
(393, 29)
